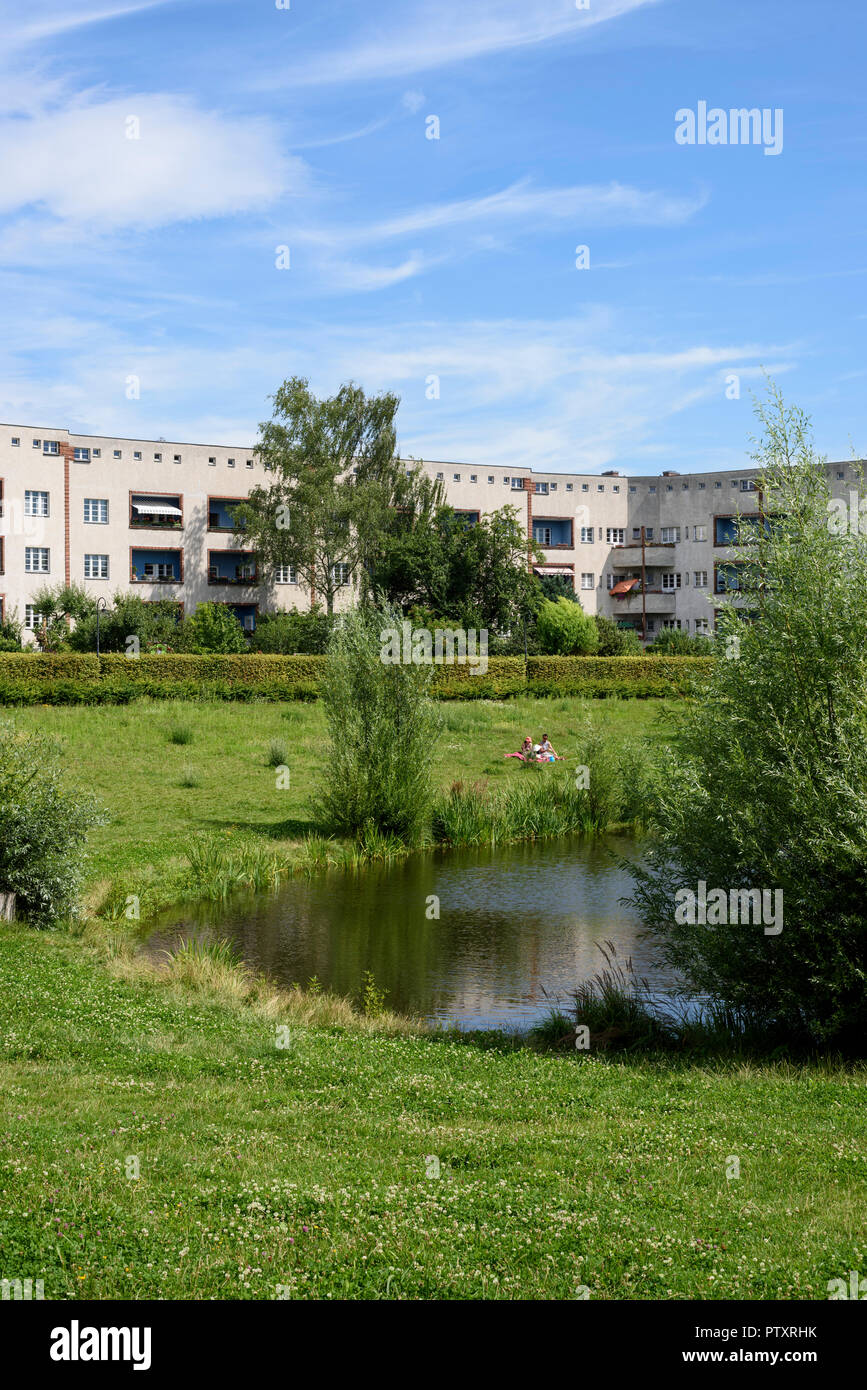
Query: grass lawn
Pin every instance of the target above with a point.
(124, 755)
(311, 1170)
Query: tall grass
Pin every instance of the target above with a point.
(547, 800)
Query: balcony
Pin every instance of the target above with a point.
(232, 567)
(156, 511)
(655, 602)
(628, 557)
(220, 511)
(156, 566)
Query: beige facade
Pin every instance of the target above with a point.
(148, 516)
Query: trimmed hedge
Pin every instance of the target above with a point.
(38, 678)
(636, 676)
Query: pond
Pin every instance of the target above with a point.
(517, 929)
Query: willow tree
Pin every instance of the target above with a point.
(766, 792)
(336, 487)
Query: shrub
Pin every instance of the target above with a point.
(614, 640)
(43, 828)
(212, 628)
(180, 733)
(382, 726)
(278, 753)
(672, 641)
(564, 629)
(292, 633)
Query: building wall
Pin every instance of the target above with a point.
(115, 468)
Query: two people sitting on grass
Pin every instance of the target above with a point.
(531, 752)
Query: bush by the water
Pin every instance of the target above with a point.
(43, 828)
(383, 726)
(766, 791)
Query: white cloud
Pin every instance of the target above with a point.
(77, 164)
(42, 19)
(452, 31)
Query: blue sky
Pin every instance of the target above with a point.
(261, 127)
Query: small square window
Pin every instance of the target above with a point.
(177, 458)
(211, 462)
(652, 487)
(600, 487)
(668, 487)
(490, 477)
(137, 454)
(734, 482)
(439, 477)
(15, 441)
(553, 487)
(473, 478)
(96, 453)
(37, 443)
(248, 463)
(632, 487)
(568, 487)
(585, 487)
(701, 487)
(115, 453)
(717, 484)
(231, 463)
(158, 458)
(840, 473)
(456, 477)
(684, 487)
(615, 488)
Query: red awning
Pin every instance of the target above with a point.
(624, 587)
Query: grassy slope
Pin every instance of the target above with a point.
(124, 756)
(305, 1167)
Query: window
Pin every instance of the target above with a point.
(717, 484)
(671, 622)
(158, 458)
(632, 487)
(669, 487)
(600, 487)
(506, 481)
(652, 487)
(840, 473)
(36, 504)
(542, 488)
(96, 567)
(702, 625)
(734, 482)
(609, 581)
(32, 619)
(684, 487)
(553, 487)
(670, 535)
(636, 533)
(614, 535)
(49, 446)
(15, 441)
(340, 573)
(586, 535)
(230, 463)
(115, 453)
(473, 478)
(585, 487)
(701, 487)
(542, 535)
(517, 484)
(747, 484)
(490, 477)
(568, 487)
(36, 559)
(616, 487)
(96, 511)
(586, 581)
(159, 570)
(670, 580)
(96, 453)
(137, 454)
(212, 462)
(36, 443)
(176, 458)
(248, 463)
(699, 533)
(81, 455)
(285, 574)
(700, 579)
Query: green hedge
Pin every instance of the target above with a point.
(636, 676)
(35, 678)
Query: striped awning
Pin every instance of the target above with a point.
(156, 509)
(553, 569)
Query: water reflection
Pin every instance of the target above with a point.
(517, 929)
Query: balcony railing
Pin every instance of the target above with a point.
(215, 577)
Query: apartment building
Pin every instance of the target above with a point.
(153, 517)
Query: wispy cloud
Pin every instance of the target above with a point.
(43, 19)
(421, 36)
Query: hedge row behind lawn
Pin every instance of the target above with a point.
(67, 679)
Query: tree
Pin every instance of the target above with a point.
(382, 726)
(212, 628)
(765, 793)
(56, 605)
(564, 629)
(153, 624)
(338, 487)
(474, 574)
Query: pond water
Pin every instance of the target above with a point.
(517, 929)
